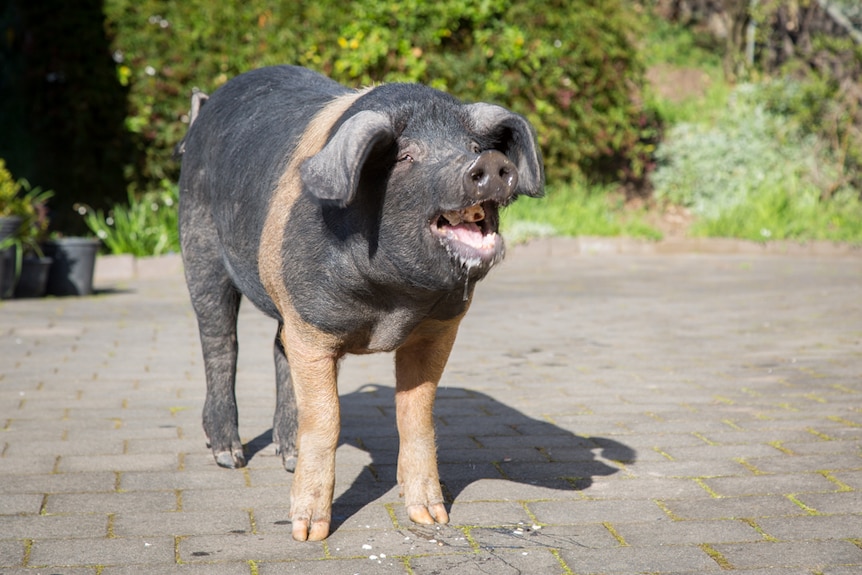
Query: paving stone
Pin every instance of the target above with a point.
(833, 503)
(55, 526)
(668, 558)
(662, 467)
(246, 546)
(63, 571)
(185, 479)
(104, 551)
(528, 536)
(852, 479)
(59, 448)
(840, 570)
(223, 568)
(838, 462)
(244, 498)
(122, 462)
(770, 485)
(809, 527)
(28, 464)
(560, 513)
(381, 566)
(59, 483)
(179, 524)
(498, 489)
(733, 507)
(815, 554)
(488, 513)
(497, 561)
(643, 488)
(11, 553)
(686, 532)
(113, 502)
(25, 503)
(408, 540)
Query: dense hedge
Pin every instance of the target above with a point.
(570, 66)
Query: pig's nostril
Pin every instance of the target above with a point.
(492, 175)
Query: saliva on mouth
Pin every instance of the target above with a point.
(470, 237)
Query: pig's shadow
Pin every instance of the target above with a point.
(477, 437)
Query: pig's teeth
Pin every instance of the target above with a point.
(453, 217)
(474, 213)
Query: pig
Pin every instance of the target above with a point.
(361, 221)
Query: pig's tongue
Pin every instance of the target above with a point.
(470, 234)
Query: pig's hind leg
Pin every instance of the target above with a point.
(284, 420)
(216, 303)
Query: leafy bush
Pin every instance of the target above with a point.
(753, 174)
(147, 226)
(825, 108)
(11, 203)
(570, 67)
(710, 168)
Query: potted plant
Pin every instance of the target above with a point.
(73, 266)
(33, 265)
(11, 208)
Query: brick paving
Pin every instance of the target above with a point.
(606, 413)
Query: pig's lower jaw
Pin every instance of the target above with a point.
(469, 236)
(469, 247)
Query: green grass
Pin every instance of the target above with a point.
(795, 212)
(673, 46)
(575, 210)
(669, 43)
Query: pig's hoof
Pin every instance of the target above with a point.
(318, 531)
(428, 515)
(230, 459)
(288, 458)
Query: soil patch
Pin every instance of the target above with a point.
(676, 84)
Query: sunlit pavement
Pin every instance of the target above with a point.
(663, 412)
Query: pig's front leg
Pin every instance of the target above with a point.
(419, 364)
(314, 374)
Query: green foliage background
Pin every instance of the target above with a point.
(571, 67)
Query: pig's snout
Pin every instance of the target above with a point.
(491, 177)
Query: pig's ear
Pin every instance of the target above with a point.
(333, 173)
(516, 138)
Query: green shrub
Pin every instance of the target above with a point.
(147, 226)
(711, 168)
(11, 203)
(821, 107)
(570, 67)
(756, 174)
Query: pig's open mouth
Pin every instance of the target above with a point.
(470, 234)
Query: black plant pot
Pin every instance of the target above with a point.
(7, 272)
(33, 280)
(9, 226)
(73, 267)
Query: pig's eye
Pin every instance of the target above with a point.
(475, 148)
(405, 157)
